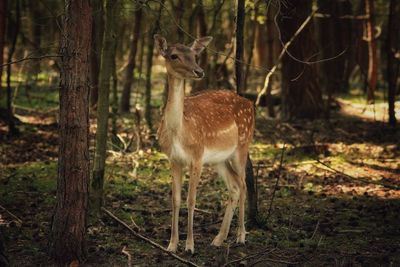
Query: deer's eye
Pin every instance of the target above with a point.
(173, 57)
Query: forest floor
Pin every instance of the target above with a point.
(337, 202)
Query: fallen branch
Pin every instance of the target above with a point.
(11, 214)
(126, 252)
(142, 237)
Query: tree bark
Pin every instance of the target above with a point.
(372, 57)
(95, 52)
(301, 94)
(250, 185)
(149, 65)
(12, 129)
(129, 72)
(3, 21)
(107, 61)
(201, 31)
(68, 230)
(393, 65)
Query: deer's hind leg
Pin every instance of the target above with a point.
(231, 180)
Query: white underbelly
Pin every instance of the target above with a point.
(216, 156)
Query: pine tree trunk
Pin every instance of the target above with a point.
(68, 230)
(301, 94)
(250, 185)
(107, 61)
(95, 52)
(3, 17)
(201, 31)
(393, 65)
(149, 65)
(12, 129)
(372, 57)
(129, 72)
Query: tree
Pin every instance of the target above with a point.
(12, 129)
(3, 16)
(372, 74)
(149, 60)
(393, 65)
(107, 62)
(250, 185)
(68, 230)
(95, 52)
(129, 72)
(301, 94)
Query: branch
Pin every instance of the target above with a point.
(29, 58)
(154, 244)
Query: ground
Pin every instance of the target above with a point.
(337, 200)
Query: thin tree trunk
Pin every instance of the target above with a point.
(251, 48)
(250, 185)
(3, 21)
(372, 57)
(12, 130)
(271, 59)
(392, 43)
(149, 60)
(129, 72)
(201, 31)
(68, 230)
(107, 59)
(95, 52)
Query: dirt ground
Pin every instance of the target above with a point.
(337, 201)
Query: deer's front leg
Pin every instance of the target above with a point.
(176, 170)
(195, 172)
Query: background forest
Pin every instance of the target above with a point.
(81, 97)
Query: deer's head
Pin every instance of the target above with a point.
(180, 59)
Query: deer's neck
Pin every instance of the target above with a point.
(174, 107)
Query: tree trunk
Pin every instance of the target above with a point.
(272, 38)
(95, 52)
(393, 65)
(107, 61)
(301, 95)
(149, 60)
(3, 16)
(12, 130)
(68, 230)
(333, 72)
(129, 72)
(250, 185)
(372, 57)
(201, 31)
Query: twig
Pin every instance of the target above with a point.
(142, 237)
(11, 214)
(28, 58)
(126, 252)
(277, 181)
(394, 187)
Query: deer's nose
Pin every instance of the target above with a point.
(199, 73)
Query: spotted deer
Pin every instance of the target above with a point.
(213, 127)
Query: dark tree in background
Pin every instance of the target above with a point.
(68, 230)
(3, 16)
(130, 68)
(301, 94)
(250, 184)
(95, 52)
(393, 63)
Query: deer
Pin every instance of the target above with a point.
(213, 127)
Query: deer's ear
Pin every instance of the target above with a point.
(200, 44)
(161, 44)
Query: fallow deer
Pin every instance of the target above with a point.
(212, 127)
